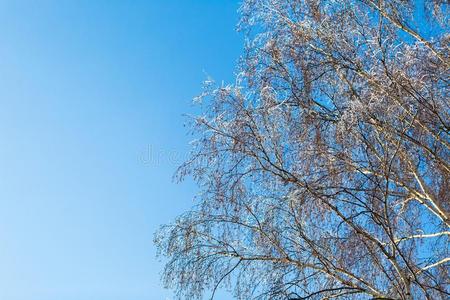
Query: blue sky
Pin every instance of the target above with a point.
(92, 95)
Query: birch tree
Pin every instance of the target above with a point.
(324, 169)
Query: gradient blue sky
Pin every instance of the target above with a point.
(87, 89)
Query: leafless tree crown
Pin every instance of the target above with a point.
(325, 168)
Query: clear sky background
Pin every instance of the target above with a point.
(92, 95)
